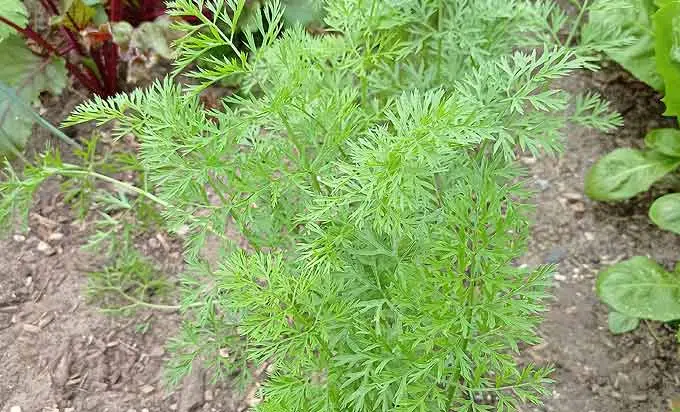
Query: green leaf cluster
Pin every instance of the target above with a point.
(649, 34)
(369, 174)
(639, 287)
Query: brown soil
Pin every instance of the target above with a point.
(58, 352)
(595, 370)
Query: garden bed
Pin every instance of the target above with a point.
(58, 351)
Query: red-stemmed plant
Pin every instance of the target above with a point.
(90, 53)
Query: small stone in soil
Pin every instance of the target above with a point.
(154, 243)
(146, 389)
(542, 184)
(19, 238)
(208, 395)
(578, 207)
(573, 196)
(56, 236)
(555, 255)
(15, 409)
(559, 278)
(45, 248)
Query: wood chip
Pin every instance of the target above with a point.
(9, 309)
(62, 368)
(55, 237)
(31, 328)
(146, 389)
(163, 241)
(46, 320)
(45, 221)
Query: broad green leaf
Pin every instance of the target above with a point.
(665, 212)
(667, 47)
(636, 21)
(665, 141)
(28, 75)
(14, 11)
(620, 323)
(640, 288)
(624, 173)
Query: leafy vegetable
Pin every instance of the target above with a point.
(653, 56)
(28, 75)
(633, 20)
(620, 323)
(665, 212)
(624, 173)
(14, 11)
(667, 48)
(664, 141)
(641, 288)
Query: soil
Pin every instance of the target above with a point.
(59, 352)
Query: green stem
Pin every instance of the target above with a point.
(116, 182)
(577, 23)
(499, 389)
(156, 306)
(435, 183)
(123, 185)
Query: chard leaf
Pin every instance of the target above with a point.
(665, 212)
(641, 288)
(14, 11)
(635, 19)
(664, 141)
(619, 323)
(27, 75)
(667, 47)
(624, 173)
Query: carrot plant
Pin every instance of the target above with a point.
(362, 189)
